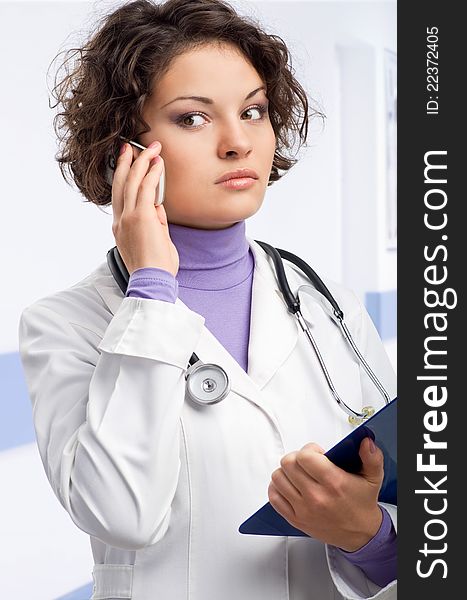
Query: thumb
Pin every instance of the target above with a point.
(372, 460)
(162, 214)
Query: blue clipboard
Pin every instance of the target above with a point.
(382, 428)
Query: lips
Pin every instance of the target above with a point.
(237, 174)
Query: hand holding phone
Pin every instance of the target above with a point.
(140, 225)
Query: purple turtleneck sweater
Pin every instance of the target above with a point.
(215, 278)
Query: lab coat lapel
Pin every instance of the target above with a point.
(273, 330)
(273, 334)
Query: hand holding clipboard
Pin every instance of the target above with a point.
(382, 428)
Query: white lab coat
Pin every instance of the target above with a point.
(161, 485)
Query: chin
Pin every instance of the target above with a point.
(237, 213)
(217, 214)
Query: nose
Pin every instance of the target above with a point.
(234, 140)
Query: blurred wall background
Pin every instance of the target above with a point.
(335, 209)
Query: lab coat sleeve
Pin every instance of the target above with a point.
(349, 579)
(106, 410)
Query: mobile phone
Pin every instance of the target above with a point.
(161, 187)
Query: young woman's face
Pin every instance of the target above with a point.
(231, 131)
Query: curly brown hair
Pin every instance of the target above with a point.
(105, 89)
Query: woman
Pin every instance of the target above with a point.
(159, 483)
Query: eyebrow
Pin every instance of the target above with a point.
(209, 100)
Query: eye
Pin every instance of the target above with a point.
(261, 109)
(182, 120)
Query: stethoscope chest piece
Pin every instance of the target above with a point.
(206, 383)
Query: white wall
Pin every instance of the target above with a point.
(330, 209)
(339, 184)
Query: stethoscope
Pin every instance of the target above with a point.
(208, 383)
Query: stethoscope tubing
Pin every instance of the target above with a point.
(293, 305)
(121, 275)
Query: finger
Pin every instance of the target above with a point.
(285, 486)
(138, 170)
(162, 215)
(120, 174)
(317, 465)
(313, 446)
(279, 503)
(147, 192)
(372, 461)
(294, 471)
(298, 477)
(163, 221)
(136, 152)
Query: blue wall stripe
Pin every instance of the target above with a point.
(382, 308)
(16, 426)
(82, 593)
